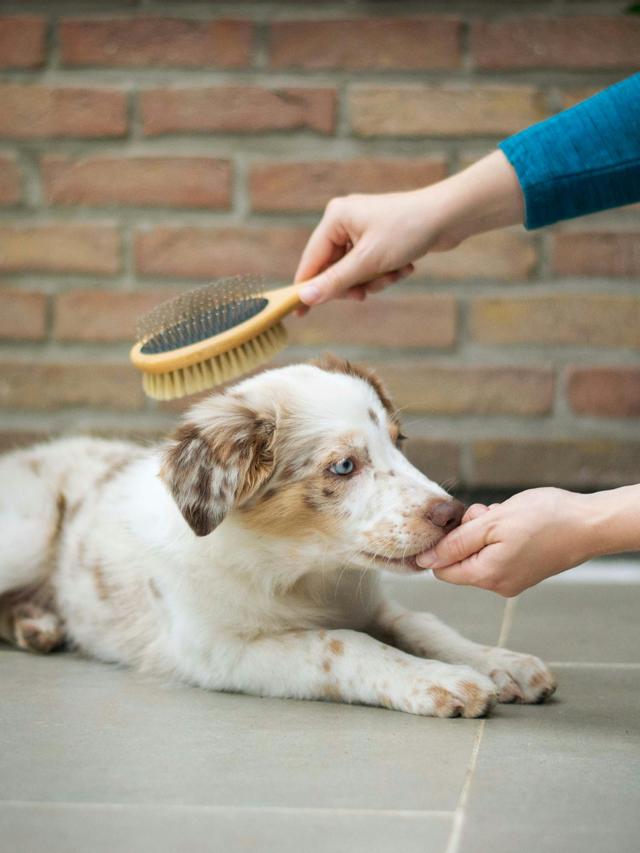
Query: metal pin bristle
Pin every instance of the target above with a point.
(200, 314)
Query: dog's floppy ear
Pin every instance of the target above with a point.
(218, 458)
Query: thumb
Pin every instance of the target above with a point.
(457, 545)
(337, 278)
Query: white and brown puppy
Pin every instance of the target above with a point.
(241, 554)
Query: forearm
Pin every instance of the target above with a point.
(582, 160)
(612, 521)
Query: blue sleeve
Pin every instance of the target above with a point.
(582, 160)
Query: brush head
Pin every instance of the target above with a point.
(210, 335)
(200, 314)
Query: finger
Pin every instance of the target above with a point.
(474, 511)
(337, 278)
(383, 281)
(329, 241)
(464, 573)
(456, 546)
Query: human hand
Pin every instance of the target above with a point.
(511, 546)
(364, 243)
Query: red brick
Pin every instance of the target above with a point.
(416, 110)
(156, 41)
(605, 391)
(201, 182)
(576, 41)
(237, 109)
(99, 315)
(32, 112)
(41, 386)
(10, 181)
(567, 319)
(572, 463)
(363, 43)
(310, 185)
(22, 41)
(499, 255)
(439, 460)
(22, 315)
(69, 247)
(596, 253)
(575, 95)
(425, 320)
(209, 252)
(418, 386)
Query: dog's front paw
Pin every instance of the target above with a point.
(451, 691)
(518, 677)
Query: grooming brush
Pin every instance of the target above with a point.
(210, 335)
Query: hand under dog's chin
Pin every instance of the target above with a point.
(401, 562)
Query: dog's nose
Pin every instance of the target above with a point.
(446, 514)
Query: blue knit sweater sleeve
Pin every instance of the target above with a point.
(582, 160)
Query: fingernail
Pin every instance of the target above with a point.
(428, 560)
(309, 293)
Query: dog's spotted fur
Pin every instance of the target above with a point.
(235, 557)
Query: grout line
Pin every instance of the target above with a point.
(507, 622)
(202, 807)
(458, 820)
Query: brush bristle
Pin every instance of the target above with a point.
(217, 370)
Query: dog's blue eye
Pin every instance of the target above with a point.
(345, 466)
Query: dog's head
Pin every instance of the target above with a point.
(309, 453)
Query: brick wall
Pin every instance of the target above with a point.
(148, 146)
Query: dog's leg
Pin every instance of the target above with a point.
(31, 627)
(347, 666)
(518, 677)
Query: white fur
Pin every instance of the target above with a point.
(299, 615)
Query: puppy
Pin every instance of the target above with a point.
(242, 555)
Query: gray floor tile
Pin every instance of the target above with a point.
(103, 829)
(75, 730)
(579, 622)
(475, 612)
(563, 776)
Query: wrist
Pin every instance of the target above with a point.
(483, 197)
(612, 521)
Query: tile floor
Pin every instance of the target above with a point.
(95, 758)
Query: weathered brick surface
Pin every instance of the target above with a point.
(156, 41)
(30, 112)
(237, 109)
(498, 255)
(22, 315)
(201, 182)
(362, 43)
(150, 147)
(388, 321)
(576, 41)
(40, 386)
(22, 41)
(310, 185)
(572, 319)
(573, 463)
(597, 253)
(52, 247)
(416, 110)
(101, 316)
(605, 391)
(439, 460)
(434, 389)
(205, 253)
(10, 181)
